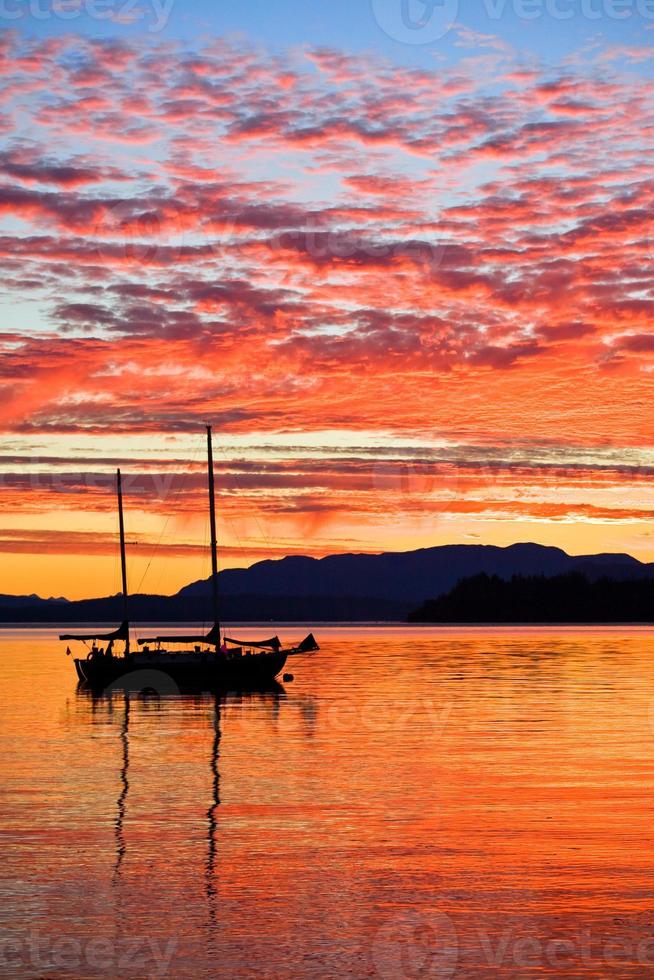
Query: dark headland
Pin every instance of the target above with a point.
(390, 587)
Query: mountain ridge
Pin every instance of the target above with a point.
(386, 585)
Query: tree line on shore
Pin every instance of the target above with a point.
(570, 598)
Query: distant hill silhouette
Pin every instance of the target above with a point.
(536, 599)
(28, 600)
(339, 587)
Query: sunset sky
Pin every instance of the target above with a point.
(403, 264)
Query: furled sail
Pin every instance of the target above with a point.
(212, 637)
(122, 633)
(189, 638)
(274, 643)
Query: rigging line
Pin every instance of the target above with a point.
(116, 573)
(206, 561)
(229, 522)
(221, 512)
(185, 475)
(115, 565)
(221, 515)
(266, 538)
(263, 534)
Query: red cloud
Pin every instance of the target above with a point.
(324, 243)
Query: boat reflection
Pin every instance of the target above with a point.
(133, 704)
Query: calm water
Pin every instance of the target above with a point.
(417, 803)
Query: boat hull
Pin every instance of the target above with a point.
(165, 672)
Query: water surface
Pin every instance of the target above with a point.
(417, 802)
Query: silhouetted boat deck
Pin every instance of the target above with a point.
(211, 660)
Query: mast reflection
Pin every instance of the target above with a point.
(122, 799)
(122, 706)
(212, 812)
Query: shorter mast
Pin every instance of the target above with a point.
(123, 560)
(215, 632)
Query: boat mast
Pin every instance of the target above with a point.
(214, 543)
(123, 561)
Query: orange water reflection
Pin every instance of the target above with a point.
(417, 803)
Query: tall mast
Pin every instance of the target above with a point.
(123, 561)
(214, 543)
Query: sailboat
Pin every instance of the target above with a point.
(211, 660)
